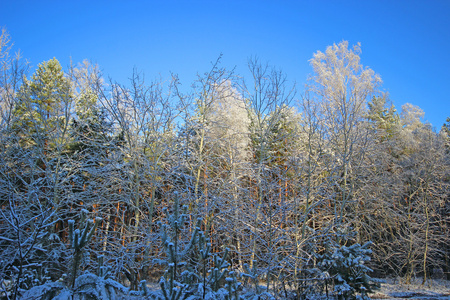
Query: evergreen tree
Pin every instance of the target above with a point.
(385, 119)
(446, 126)
(446, 133)
(43, 108)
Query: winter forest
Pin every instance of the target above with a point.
(234, 188)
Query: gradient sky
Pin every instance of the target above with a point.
(406, 42)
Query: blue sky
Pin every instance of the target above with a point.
(406, 42)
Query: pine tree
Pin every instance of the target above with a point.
(79, 239)
(345, 265)
(446, 133)
(43, 108)
(386, 120)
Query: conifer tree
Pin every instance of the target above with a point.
(43, 107)
(386, 120)
(79, 239)
(446, 133)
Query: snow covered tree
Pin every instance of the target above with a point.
(226, 142)
(269, 96)
(33, 174)
(41, 121)
(12, 72)
(142, 117)
(44, 106)
(79, 239)
(343, 88)
(407, 233)
(385, 119)
(206, 130)
(89, 127)
(423, 194)
(446, 131)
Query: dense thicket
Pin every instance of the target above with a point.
(275, 176)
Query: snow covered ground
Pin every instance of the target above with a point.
(435, 289)
(390, 289)
(395, 289)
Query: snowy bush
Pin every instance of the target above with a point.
(87, 286)
(345, 268)
(48, 291)
(91, 286)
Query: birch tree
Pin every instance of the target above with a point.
(343, 88)
(228, 124)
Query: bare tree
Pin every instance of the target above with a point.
(269, 96)
(144, 119)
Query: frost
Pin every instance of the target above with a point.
(47, 291)
(64, 295)
(85, 279)
(99, 288)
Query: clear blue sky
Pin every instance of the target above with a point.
(406, 42)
